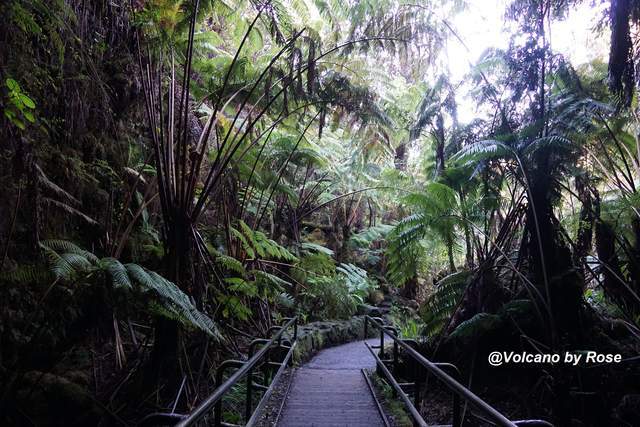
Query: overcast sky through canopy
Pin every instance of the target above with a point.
(481, 26)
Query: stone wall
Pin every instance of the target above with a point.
(315, 336)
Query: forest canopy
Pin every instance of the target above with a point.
(180, 176)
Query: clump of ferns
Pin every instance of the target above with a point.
(128, 286)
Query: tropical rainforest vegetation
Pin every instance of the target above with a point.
(179, 175)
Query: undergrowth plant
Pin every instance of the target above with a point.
(444, 300)
(327, 290)
(72, 264)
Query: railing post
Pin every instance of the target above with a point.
(395, 355)
(366, 329)
(457, 422)
(381, 343)
(249, 402)
(267, 370)
(417, 380)
(217, 414)
(217, 411)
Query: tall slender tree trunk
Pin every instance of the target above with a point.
(164, 357)
(452, 264)
(550, 258)
(467, 233)
(584, 238)
(440, 142)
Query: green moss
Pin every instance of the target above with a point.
(315, 336)
(393, 406)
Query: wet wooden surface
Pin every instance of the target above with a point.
(331, 391)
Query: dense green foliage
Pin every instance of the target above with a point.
(227, 164)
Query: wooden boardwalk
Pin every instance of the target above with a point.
(331, 391)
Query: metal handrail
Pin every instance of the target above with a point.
(247, 367)
(456, 387)
(419, 421)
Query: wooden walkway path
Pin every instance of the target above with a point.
(331, 391)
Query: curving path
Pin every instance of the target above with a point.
(330, 390)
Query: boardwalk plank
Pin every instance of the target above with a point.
(331, 391)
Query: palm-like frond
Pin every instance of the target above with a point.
(488, 149)
(555, 142)
(255, 243)
(440, 305)
(66, 246)
(117, 271)
(436, 215)
(316, 248)
(26, 274)
(69, 262)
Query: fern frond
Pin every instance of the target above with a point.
(67, 261)
(230, 263)
(440, 305)
(285, 300)
(488, 149)
(59, 265)
(26, 274)
(552, 141)
(117, 271)
(476, 327)
(270, 280)
(256, 242)
(172, 299)
(78, 262)
(53, 187)
(238, 284)
(315, 247)
(68, 247)
(243, 240)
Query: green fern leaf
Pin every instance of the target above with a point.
(118, 273)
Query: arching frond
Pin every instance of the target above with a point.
(488, 149)
(117, 271)
(553, 142)
(69, 262)
(440, 305)
(65, 246)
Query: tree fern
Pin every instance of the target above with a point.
(436, 216)
(306, 246)
(440, 305)
(117, 271)
(71, 263)
(285, 300)
(488, 149)
(356, 281)
(26, 274)
(257, 243)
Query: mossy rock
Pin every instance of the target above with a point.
(315, 336)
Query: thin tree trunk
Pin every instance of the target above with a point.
(400, 160)
(440, 142)
(452, 265)
(467, 232)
